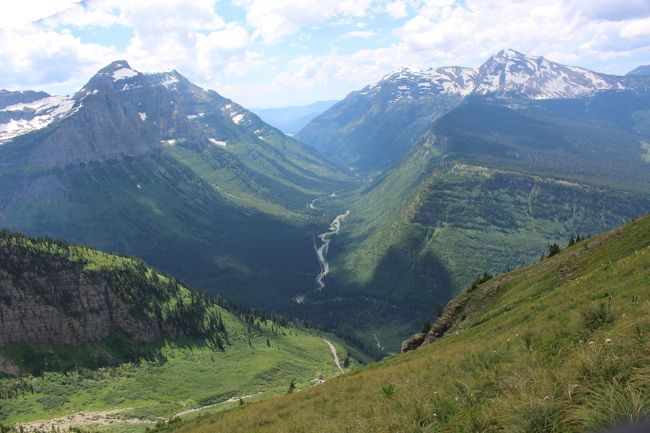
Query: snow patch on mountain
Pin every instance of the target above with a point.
(31, 116)
(237, 118)
(507, 73)
(217, 142)
(169, 80)
(123, 73)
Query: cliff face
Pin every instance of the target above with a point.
(61, 304)
(55, 293)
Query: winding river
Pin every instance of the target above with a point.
(321, 253)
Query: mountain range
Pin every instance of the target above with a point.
(404, 103)
(454, 186)
(455, 171)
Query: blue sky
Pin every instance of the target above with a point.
(269, 53)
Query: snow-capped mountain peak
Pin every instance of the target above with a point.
(507, 73)
(24, 117)
(413, 83)
(510, 72)
(24, 112)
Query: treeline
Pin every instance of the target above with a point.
(555, 248)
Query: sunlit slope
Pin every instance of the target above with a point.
(561, 345)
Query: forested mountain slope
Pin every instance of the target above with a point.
(487, 188)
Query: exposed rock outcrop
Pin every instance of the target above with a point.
(63, 305)
(55, 293)
(413, 342)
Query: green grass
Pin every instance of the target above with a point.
(192, 376)
(562, 345)
(229, 351)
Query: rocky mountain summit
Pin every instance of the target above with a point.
(507, 73)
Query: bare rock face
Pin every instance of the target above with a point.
(413, 342)
(57, 303)
(443, 323)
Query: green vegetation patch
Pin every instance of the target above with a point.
(562, 345)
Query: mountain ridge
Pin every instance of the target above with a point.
(372, 129)
(508, 73)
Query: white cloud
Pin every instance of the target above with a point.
(396, 9)
(445, 31)
(52, 59)
(167, 34)
(275, 20)
(16, 15)
(262, 56)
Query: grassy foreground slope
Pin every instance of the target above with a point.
(561, 345)
(209, 354)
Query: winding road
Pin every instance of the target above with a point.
(335, 354)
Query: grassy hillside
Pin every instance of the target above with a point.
(205, 359)
(561, 345)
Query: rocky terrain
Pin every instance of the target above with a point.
(51, 294)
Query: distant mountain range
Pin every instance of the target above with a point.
(291, 120)
(640, 71)
(373, 128)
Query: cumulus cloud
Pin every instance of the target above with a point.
(260, 56)
(467, 32)
(56, 60)
(166, 34)
(16, 15)
(275, 20)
